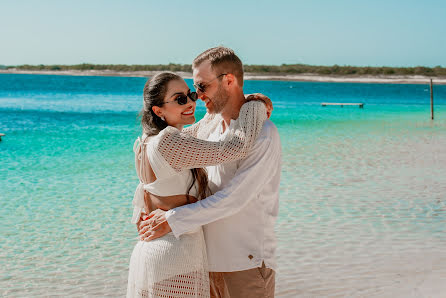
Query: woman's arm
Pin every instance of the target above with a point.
(182, 151)
(193, 129)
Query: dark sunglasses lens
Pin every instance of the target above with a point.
(182, 99)
(193, 96)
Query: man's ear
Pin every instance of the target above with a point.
(230, 79)
(157, 111)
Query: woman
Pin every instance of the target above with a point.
(168, 161)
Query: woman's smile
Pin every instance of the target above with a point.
(189, 112)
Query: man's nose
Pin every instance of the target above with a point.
(201, 95)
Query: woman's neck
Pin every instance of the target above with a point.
(178, 126)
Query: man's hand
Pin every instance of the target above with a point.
(155, 226)
(264, 98)
(142, 218)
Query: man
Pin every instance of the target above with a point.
(238, 219)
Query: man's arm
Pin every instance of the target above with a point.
(253, 172)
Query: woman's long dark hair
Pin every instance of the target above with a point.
(154, 93)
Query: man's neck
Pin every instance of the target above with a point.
(232, 109)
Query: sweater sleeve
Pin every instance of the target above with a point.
(182, 151)
(196, 127)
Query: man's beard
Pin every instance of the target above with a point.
(219, 100)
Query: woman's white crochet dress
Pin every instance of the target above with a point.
(170, 266)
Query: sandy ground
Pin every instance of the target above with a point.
(253, 76)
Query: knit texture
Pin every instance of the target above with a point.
(177, 267)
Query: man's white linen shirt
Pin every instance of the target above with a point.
(238, 219)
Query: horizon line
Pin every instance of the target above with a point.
(189, 64)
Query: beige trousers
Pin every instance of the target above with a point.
(257, 282)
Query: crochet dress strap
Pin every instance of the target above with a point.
(176, 150)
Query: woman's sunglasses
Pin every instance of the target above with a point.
(182, 98)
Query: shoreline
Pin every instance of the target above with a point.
(390, 79)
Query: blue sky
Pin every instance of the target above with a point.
(343, 32)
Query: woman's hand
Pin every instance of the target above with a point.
(261, 97)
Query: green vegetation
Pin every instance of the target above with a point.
(260, 69)
(345, 70)
(111, 67)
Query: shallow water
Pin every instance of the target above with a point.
(363, 191)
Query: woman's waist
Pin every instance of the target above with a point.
(168, 202)
(170, 189)
(173, 185)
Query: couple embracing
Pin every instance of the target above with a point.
(208, 196)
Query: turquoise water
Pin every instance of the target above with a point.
(363, 191)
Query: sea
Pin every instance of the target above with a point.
(362, 194)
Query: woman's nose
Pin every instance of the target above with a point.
(190, 103)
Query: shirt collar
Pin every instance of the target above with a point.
(231, 126)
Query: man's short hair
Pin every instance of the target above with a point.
(223, 60)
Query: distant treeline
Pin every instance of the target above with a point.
(260, 69)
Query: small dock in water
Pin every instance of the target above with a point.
(359, 104)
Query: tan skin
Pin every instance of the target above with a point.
(222, 95)
(175, 115)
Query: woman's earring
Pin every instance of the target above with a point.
(162, 118)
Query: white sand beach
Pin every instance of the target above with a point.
(390, 79)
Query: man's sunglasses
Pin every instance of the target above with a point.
(202, 87)
(181, 99)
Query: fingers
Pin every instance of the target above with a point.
(154, 226)
(152, 219)
(252, 96)
(265, 99)
(144, 230)
(162, 230)
(261, 97)
(158, 226)
(156, 212)
(142, 218)
(153, 237)
(150, 224)
(144, 223)
(149, 230)
(144, 236)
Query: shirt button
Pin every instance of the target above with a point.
(250, 257)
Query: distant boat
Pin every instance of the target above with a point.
(359, 104)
